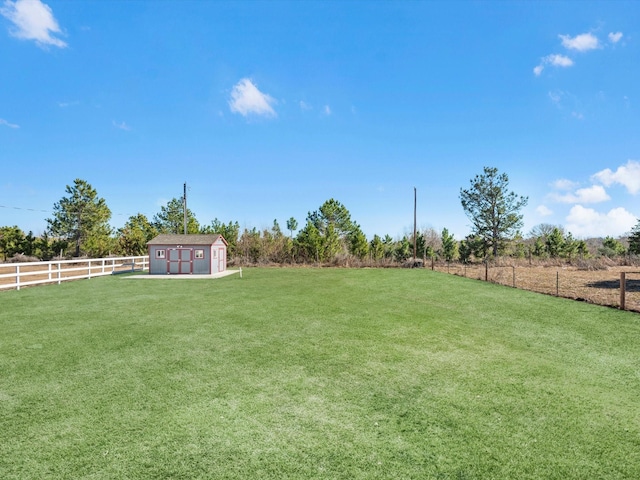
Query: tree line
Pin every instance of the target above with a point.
(80, 226)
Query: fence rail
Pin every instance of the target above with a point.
(17, 275)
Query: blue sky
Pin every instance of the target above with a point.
(266, 109)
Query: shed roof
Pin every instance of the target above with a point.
(189, 239)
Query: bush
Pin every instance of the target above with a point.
(593, 264)
(413, 263)
(22, 258)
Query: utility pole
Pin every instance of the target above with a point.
(184, 203)
(415, 205)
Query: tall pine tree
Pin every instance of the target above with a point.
(81, 218)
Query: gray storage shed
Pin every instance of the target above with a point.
(187, 254)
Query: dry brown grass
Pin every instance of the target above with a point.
(599, 284)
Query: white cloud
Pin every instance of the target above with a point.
(593, 194)
(543, 211)
(121, 126)
(246, 99)
(327, 110)
(555, 97)
(4, 123)
(33, 20)
(627, 175)
(567, 102)
(582, 42)
(554, 59)
(587, 222)
(564, 184)
(615, 37)
(68, 104)
(558, 60)
(304, 105)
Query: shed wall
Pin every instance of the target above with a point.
(214, 259)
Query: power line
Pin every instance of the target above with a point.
(23, 208)
(50, 211)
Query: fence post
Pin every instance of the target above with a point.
(18, 277)
(623, 288)
(486, 270)
(557, 283)
(514, 275)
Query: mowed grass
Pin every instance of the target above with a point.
(315, 373)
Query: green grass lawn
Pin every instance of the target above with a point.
(315, 373)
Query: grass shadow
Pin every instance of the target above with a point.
(632, 285)
(122, 272)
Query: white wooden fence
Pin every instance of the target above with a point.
(17, 275)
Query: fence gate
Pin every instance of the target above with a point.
(180, 260)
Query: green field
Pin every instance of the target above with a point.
(315, 373)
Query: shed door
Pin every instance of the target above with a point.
(222, 260)
(180, 260)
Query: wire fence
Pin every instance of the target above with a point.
(617, 287)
